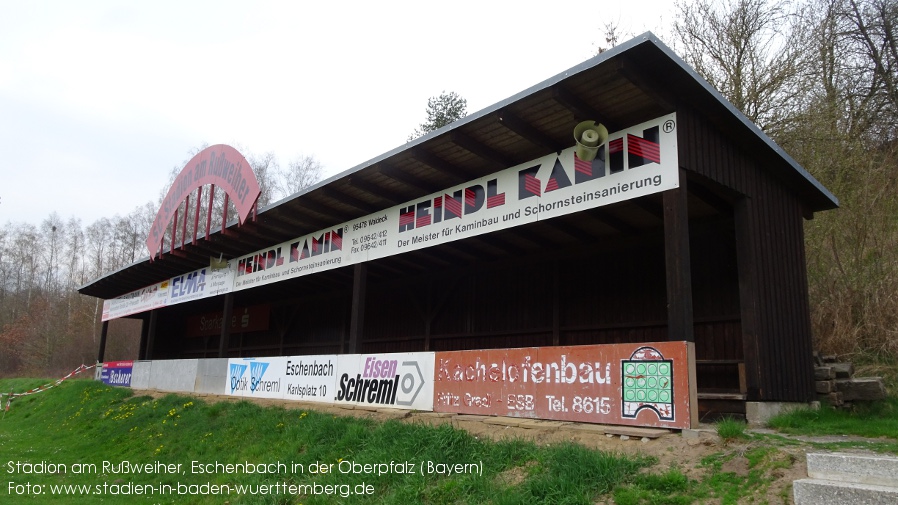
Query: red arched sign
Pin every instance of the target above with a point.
(221, 165)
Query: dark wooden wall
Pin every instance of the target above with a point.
(777, 340)
(748, 277)
(611, 295)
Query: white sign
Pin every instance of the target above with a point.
(634, 162)
(394, 380)
(141, 300)
(306, 378)
(201, 283)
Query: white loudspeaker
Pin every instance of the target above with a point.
(217, 264)
(589, 135)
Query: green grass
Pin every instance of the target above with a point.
(669, 488)
(730, 429)
(874, 420)
(84, 422)
(720, 483)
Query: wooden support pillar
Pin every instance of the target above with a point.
(677, 261)
(144, 333)
(151, 334)
(102, 350)
(227, 312)
(748, 299)
(556, 305)
(428, 316)
(357, 318)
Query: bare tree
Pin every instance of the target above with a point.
(302, 172)
(752, 51)
(612, 35)
(266, 168)
(869, 28)
(52, 236)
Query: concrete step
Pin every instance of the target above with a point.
(829, 492)
(857, 468)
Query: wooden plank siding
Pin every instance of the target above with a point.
(747, 270)
(771, 262)
(613, 295)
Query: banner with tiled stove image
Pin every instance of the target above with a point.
(646, 384)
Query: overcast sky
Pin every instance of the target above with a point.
(100, 100)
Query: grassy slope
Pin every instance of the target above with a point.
(875, 420)
(86, 422)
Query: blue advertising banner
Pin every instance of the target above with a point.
(117, 373)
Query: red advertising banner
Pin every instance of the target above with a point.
(646, 384)
(244, 319)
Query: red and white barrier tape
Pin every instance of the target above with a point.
(49, 385)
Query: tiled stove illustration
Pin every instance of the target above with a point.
(647, 380)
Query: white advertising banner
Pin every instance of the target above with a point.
(311, 378)
(201, 283)
(634, 162)
(397, 380)
(142, 300)
(305, 378)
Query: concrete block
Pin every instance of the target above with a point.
(835, 399)
(828, 492)
(824, 387)
(758, 413)
(824, 373)
(843, 370)
(175, 375)
(140, 374)
(212, 376)
(858, 468)
(861, 389)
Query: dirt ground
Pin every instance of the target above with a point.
(682, 450)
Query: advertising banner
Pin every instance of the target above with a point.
(117, 373)
(397, 380)
(634, 162)
(201, 283)
(244, 319)
(644, 384)
(135, 302)
(305, 378)
(311, 378)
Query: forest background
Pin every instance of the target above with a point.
(820, 77)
